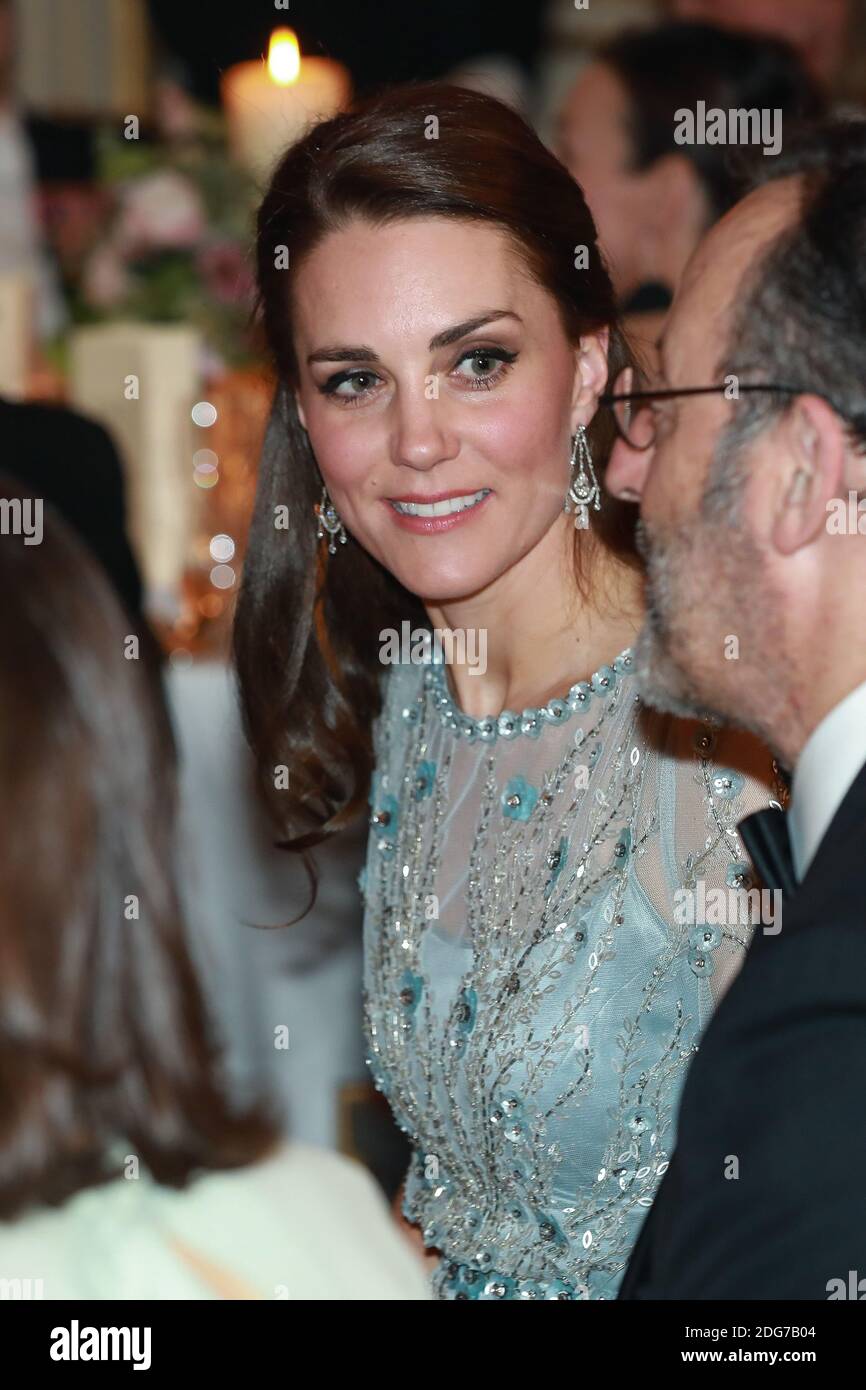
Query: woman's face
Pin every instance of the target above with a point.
(416, 398)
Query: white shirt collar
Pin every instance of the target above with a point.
(833, 755)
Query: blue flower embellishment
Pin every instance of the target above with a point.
(639, 1120)
(466, 1010)
(464, 1281)
(518, 799)
(508, 1116)
(410, 992)
(556, 862)
(739, 875)
(549, 1230)
(425, 773)
(727, 783)
(498, 1286)
(604, 680)
(703, 940)
(594, 755)
(518, 1170)
(560, 1290)
(384, 819)
(622, 848)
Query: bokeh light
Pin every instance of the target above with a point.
(204, 414)
(222, 576)
(222, 547)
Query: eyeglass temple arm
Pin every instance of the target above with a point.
(611, 398)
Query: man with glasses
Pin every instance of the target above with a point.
(748, 458)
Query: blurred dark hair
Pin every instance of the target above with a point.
(674, 66)
(104, 1037)
(800, 317)
(307, 631)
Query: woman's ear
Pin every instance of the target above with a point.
(590, 375)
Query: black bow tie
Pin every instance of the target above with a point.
(765, 835)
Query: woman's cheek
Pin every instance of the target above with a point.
(344, 456)
(526, 442)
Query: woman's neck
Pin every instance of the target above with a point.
(530, 635)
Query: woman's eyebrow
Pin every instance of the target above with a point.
(439, 340)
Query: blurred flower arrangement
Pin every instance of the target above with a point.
(179, 241)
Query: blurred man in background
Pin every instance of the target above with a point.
(817, 29)
(652, 197)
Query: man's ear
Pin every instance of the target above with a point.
(812, 472)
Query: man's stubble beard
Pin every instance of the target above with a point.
(662, 681)
(679, 686)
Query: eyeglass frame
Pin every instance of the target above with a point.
(667, 393)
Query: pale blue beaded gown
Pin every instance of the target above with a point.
(535, 980)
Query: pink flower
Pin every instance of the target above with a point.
(105, 282)
(176, 112)
(160, 212)
(226, 272)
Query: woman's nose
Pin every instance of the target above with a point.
(421, 437)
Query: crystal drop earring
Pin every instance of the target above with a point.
(329, 521)
(583, 489)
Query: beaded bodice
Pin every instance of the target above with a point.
(532, 996)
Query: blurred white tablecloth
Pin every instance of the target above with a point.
(305, 977)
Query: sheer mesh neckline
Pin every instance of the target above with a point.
(530, 722)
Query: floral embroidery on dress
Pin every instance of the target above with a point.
(531, 997)
(518, 799)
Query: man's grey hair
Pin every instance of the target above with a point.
(802, 317)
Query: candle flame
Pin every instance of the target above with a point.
(284, 57)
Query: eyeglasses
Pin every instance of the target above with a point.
(633, 404)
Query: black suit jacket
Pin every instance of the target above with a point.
(71, 462)
(777, 1094)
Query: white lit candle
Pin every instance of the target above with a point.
(271, 104)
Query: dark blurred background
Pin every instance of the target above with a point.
(385, 42)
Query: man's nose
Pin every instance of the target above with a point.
(626, 471)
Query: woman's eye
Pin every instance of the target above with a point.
(484, 359)
(487, 366)
(351, 380)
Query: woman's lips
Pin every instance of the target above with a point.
(428, 525)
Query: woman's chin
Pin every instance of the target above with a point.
(435, 589)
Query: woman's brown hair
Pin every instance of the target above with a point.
(106, 1047)
(308, 625)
